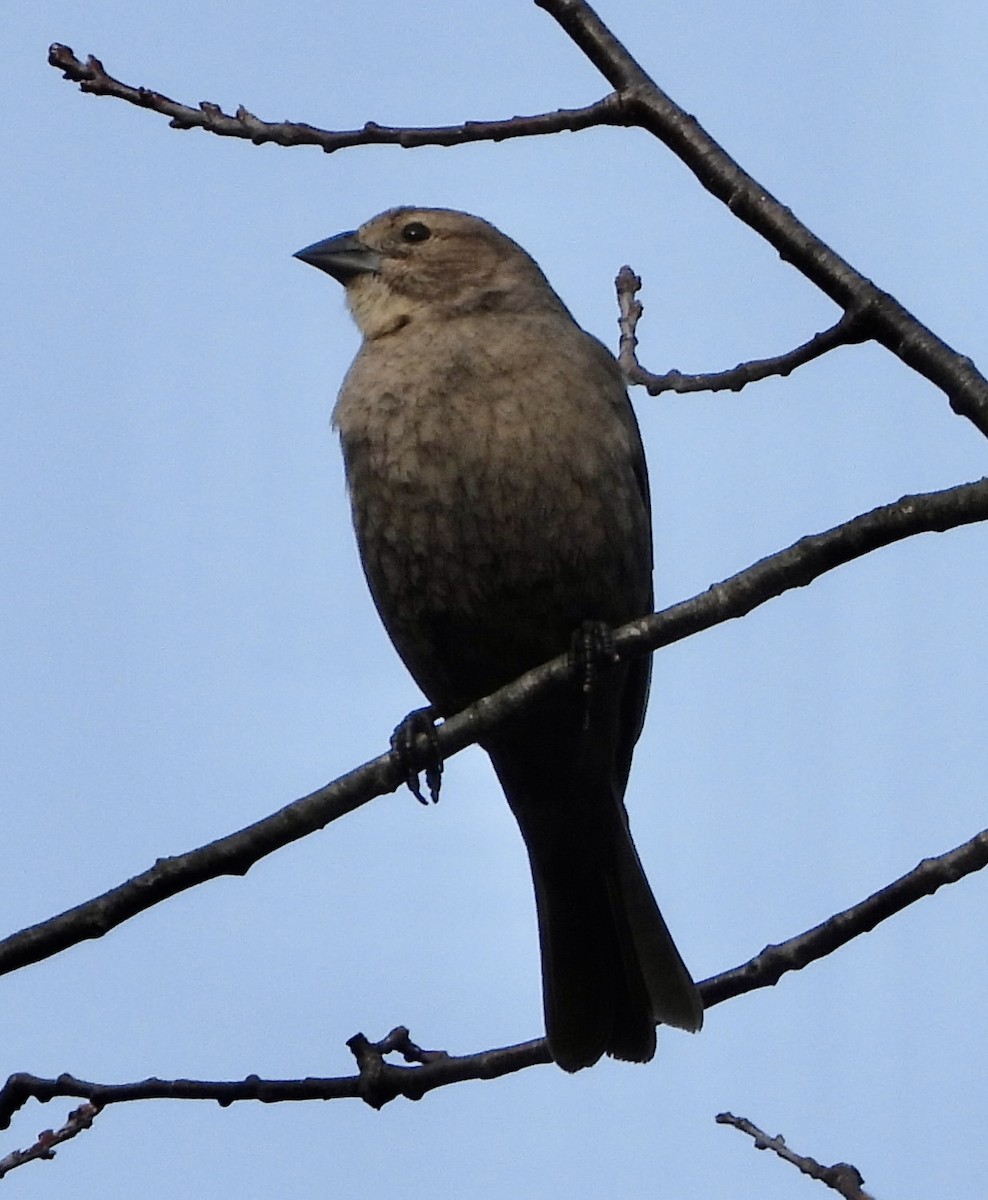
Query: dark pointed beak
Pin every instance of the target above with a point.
(344, 256)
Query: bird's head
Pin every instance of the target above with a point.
(415, 265)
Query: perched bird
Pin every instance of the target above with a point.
(500, 501)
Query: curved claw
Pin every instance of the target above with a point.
(404, 743)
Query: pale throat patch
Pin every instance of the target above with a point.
(376, 308)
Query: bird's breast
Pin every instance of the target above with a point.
(495, 508)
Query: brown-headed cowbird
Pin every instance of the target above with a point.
(500, 501)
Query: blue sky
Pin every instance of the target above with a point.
(188, 642)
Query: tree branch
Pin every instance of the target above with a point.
(851, 329)
(43, 1149)
(638, 101)
(768, 967)
(236, 853)
(891, 324)
(92, 78)
(379, 1081)
(842, 1177)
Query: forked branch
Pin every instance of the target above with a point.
(636, 100)
(851, 329)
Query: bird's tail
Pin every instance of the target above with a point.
(610, 969)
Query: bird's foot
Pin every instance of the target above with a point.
(404, 743)
(591, 652)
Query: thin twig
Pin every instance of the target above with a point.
(93, 78)
(44, 1148)
(851, 329)
(236, 853)
(842, 1177)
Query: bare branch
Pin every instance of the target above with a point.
(842, 1177)
(597, 42)
(235, 854)
(891, 324)
(768, 967)
(82, 1118)
(638, 101)
(378, 1081)
(851, 329)
(92, 78)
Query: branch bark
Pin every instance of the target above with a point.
(768, 967)
(93, 78)
(842, 1178)
(43, 1149)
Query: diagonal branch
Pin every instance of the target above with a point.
(892, 325)
(379, 1081)
(235, 854)
(43, 1149)
(851, 329)
(92, 78)
(843, 1178)
(768, 967)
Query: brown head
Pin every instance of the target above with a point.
(426, 264)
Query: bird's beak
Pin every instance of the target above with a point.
(344, 257)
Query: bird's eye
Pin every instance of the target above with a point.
(415, 231)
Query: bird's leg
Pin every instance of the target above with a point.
(404, 743)
(591, 652)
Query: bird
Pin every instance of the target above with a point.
(500, 501)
